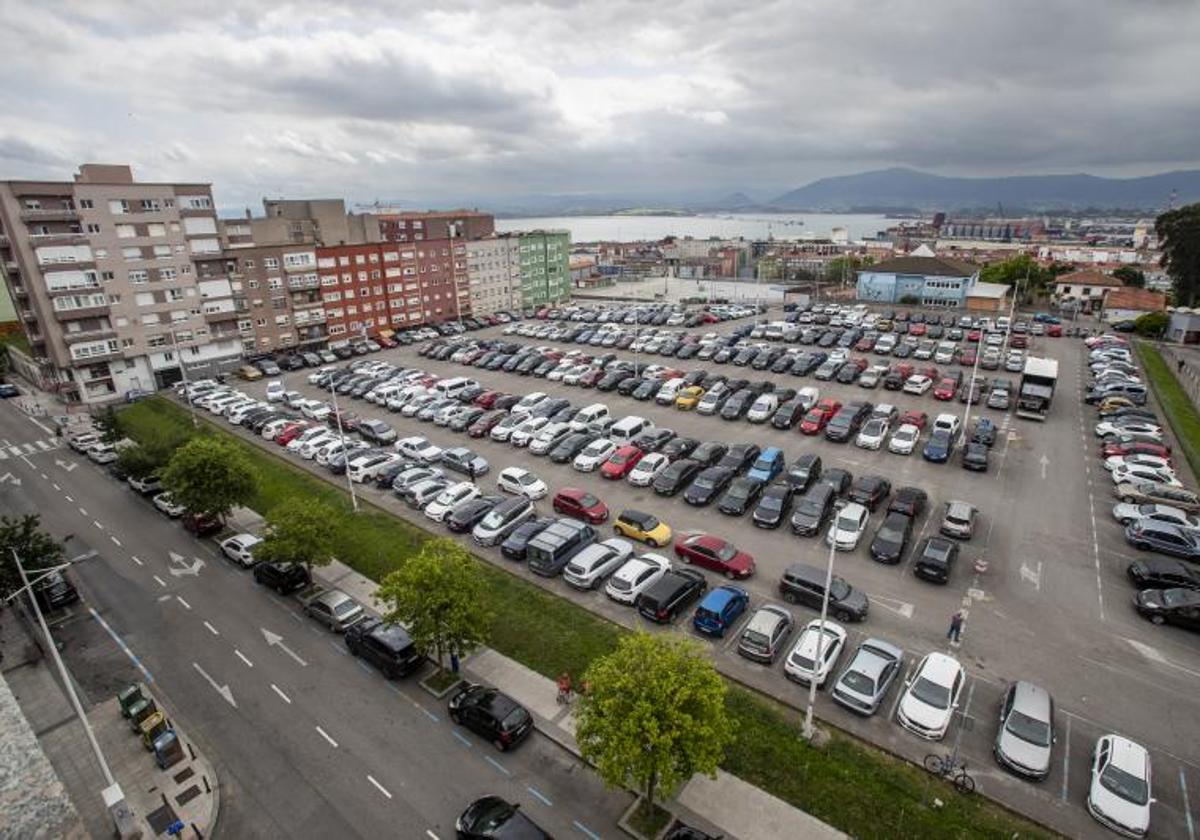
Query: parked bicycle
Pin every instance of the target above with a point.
(952, 769)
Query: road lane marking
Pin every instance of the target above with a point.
(587, 831)
(69, 499)
(460, 738)
(285, 698)
(42, 445)
(364, 666)
(429, 714)
(15, 451)
(136, 560)
(432, 835)
(83, 512)
(121, 644)
(45, 477)
(161, 582)
(539, 795)
(116, 541)
(211, 629)
(1187, 808)
(30, 449)
(338, 649)
(295, 617)
(186, 605)
(325, 735)
(223, 690)
(242, 657)
(1066, 759)
(378, 786)
(497, 765)
(98, 524)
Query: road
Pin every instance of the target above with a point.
(311, 745)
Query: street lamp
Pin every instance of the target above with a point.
(342, 436)
(183, 373)
(809, 731)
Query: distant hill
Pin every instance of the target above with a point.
(909, 188)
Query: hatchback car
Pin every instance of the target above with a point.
(931, 696)
(335, 609)
(848, 527)
(816, 652)
(521, 482)
(240, 549)
(491, 714)
(591, 566)
(643, 527)
(958, 520)
(865, 681)
(765, 634)
(1163, 537)
(647, 469)
(492, 817)
(1170, 606)
(716, 554)
(1026, 733)
(1162, 573)
(805, 584)
(386, 646)
(740, 496)
(635, 576)
(580, 504)
(1119, 794)
(720, 610)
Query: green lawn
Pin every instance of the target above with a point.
(1175, 402)
(849, 784)
(17, 339)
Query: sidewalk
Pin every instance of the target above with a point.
(726, 804)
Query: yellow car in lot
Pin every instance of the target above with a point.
(1113, 403)
(643, 527)
(689, 397)
(249, 373)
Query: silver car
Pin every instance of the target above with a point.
(766, 634)
(592, 565)
(866, 680)
(1026, 735)
(335, 609)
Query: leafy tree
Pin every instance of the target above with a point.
(439, 596)
(37, 549)
(299, 531)
(1179, 240)
(109, 426)
(653, 715)
(1023, 272)
(207, 475)
(1152, 324)
(1131, 276)
(846, 268)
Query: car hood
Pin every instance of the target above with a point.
(1118, 810)
(1023, 754)
(924, 715)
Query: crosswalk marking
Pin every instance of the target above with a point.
(15, 451)
(29, 448)
(42, 445)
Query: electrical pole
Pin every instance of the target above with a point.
(345, 454)
(809, 729)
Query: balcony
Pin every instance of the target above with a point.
(64, 237)
(49, 214)
(74, 290)
(107, 356)
(10, 265)
(221, 315)
(63, 315)
(95, 334)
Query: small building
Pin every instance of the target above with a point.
(989, 298)
(1131, 304)
(927, 281)
(1084, 290)
(1184, 326)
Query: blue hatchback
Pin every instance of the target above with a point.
(720, 609)
(769, 464)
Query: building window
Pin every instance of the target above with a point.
(271, 262)
(85, 204)
(93, 228)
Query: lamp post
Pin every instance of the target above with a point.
(809, 730)
(183, 373)
(342, 436)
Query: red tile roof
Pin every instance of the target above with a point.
(1139, 300)
(1088, 278)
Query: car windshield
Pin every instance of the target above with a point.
(931, 693)
(890, 534)
(704, 483)
(809, 507)
(1125, 785)
(840, 590)
(858, 682)
(756, 639)
(873, 427)
(618, 458)
(739, 491)
(587, 500)
(344, 608)
(492, 520)
(1178, 597)
(1028, 729)
(847, 523)
(526, 479)
(771, 502)
(726, 553)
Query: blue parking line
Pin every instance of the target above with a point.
(497, 765)
(593, 835)
(429, 714)
(460, 737)
(121, 644)
(364, 666)
(539, 795)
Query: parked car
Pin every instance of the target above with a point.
(591, 566)
(1119, 796)
(720, 609)
(865, 681)
(815, 653)
(804, 584)
(931, 696)
(718, 555)
(494, 817)
(521, 482)
(284, 578)
(1163, 573)
(663, 600)
(765, 634)
(335, 609)
(1170, 606)
(632, 578)
(240, 548)
(491, 714)
(1163, 537)
(958, 519)
(1025, 737)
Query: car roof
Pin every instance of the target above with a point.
(939, 667)
(1031, 700)
(722, 595)
(1128, 755)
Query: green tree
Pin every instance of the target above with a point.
(207, 475)
(845, 268)
(151, 453)
(1020, 272)
(1152, 324)
(654, 714)
(37, 549)
(1131, 276)
(300, 530)
(1179, 240)
(439, 596)
(109, 425)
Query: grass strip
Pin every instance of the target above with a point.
(848, 784)
(1176, 404)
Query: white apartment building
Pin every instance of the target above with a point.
(494, 274)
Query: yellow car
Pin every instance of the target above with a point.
(643, 527)
(249, 372)
(1113, 403)
(689, 397)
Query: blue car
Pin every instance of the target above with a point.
(770, 463)
(720, 610)
(938, 448)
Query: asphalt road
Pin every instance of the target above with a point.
(1053, 606)
(313, 744)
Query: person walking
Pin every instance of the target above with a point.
(564, 688)
(956, 623)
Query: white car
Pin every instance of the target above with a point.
(240, 549)
(807, 397)
(502, 431)
(524, 434)
(308, 450)
(528, 403)
(873, 433)
(1126, 513)
(1153, 461)
(814, 655)
(917, 384)
(418, 449)
(1135, 428)
(848, 527)
(635, 577)
(1137, 473)
(545, 440)
(450, 498)
(167, 504)
(594, 454)
(309, 408)
(592, 565)
(275, 391)
(365, 471)
(904, 439)
(948, 422)
(1119, 795)
(931, 696)
(270, 430)
(521, 482)
(762, 410)
(572, 376)
(646, 470)
(447, 414)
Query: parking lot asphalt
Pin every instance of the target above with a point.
(1053, 605)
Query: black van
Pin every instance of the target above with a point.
(549, 552)
(386, 646)
(803, 584)
(672, 592)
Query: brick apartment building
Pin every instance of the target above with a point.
(413, 226)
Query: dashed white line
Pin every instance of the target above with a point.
(45, 477)
(283, 696)
(161, 582)
(378, 786)
(136, 560)
(325, 735)
(69, 499)
(116, 541)
(242, 657)
(211, 629)
(1066, 759)
(1187, 808)
(55, 486)
(98, 524)
(185, 604)
(83, 512)
(432, 835)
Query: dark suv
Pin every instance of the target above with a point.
(491, 714)
(675, 590)
(386, 646)
(803, 584)
(845, 424)
(284, 578)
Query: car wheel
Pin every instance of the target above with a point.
(456, 717)
(789, 597)
(281, 589)
(843, 616)
(499, 745)
(730, 575)
(652, 543)
(1127, 500)
(1141, 546)
(1157, 619)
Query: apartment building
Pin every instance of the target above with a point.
(545, 267)
(494, 273)
(413, 226)
(102, 270)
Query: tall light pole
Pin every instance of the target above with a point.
(342, 436)
(183, 373)
(971, 385)
(809, 729)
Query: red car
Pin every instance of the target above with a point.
(1019, 342)
(945, 389)
(715, 553)
(916, 418)
(903, 370)
(384, 341)
(974, 335)
(864, 345)
(290, 433)
(1054, 331)
(1159, 449)
(484, 424)
(591, 377)
(930, 371)
(621, 462)
(818, 416)
(916, 329)
(580, 504)
(710, 318)
(488, 398)
(967, 357)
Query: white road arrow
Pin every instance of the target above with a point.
(275, 640)
(1045, 462)
(223, 690)
(1034, 576)
(66, 465)
(10, 478)
(192, 569)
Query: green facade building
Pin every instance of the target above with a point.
(545, 267)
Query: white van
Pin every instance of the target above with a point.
(454, 386)
(627, 428)
(275, 391)
(586, 416)
(670, 389)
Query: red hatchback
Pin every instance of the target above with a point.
(621, 462)
(580, 504)
(916, 418)
(484, 424)
(1054, 331)
(290, 433)
(916, 330)
(974, 335)
(488, 398)
(945, 389)
(818, 416)
(1158, 449)
(591, 377)
(715, 553)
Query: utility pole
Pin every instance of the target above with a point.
(809, 730)
(183, 373)
(345, 454)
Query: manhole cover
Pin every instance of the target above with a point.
(161, 818)
(185, 773)
(188, 795)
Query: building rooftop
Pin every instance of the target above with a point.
(995, 291)
(928, 266)
(1088, 278)
(1142, 300)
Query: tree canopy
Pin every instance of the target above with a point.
(653, 715)
(300, 530)
(1179, 241)
(438, 596)
(207, 475)
(1130, 276)
(37, 549)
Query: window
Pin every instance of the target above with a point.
(118, 206)
(274, 283)
(271, 263)
(195, 202)
(150, 205)
(166, 274)
(86, 204)
(162, 252)
(156, 229)
(93, 228)
(131, 253)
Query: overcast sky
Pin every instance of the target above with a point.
(434, 102)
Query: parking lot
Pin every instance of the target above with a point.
(1052, 605)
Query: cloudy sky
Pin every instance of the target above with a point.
(452, 101)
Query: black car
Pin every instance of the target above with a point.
(803, 472)
(386, 646)
(975, 456)
(736, 406)
(813, 509)
(676, 476)
(515, 544)
(491, 714)
(845, 424)
(610, 380)
(648, 389)
(709, 453)
(652, 440)
(707, 485)
(807, 363)
(774, 506)
(839, 479)
(467, 515)
(1170, 606)
(740, 457)
(493, 818)
(666, 598)
(570, 446)
(910, 501)
(935, 559)
(869, 491)
(284, 578)
(626, 384)
(55, 590)
(675, 448)
(804, 584)
(892, 538)
(788, 414)
(1163, 573)
(741, 495)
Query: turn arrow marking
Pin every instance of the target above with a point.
(185, 569)
(275, 640)
(223, 690)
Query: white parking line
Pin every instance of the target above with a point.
(161, 582)
(378, 786)
(283, 696)
(242, 657)
(83, 512)
(136, 560)
(1187, 808)
(1066, 759)
(116, 541)
(211, 629)
(325, 735)
(69, 499)
(432, 835)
